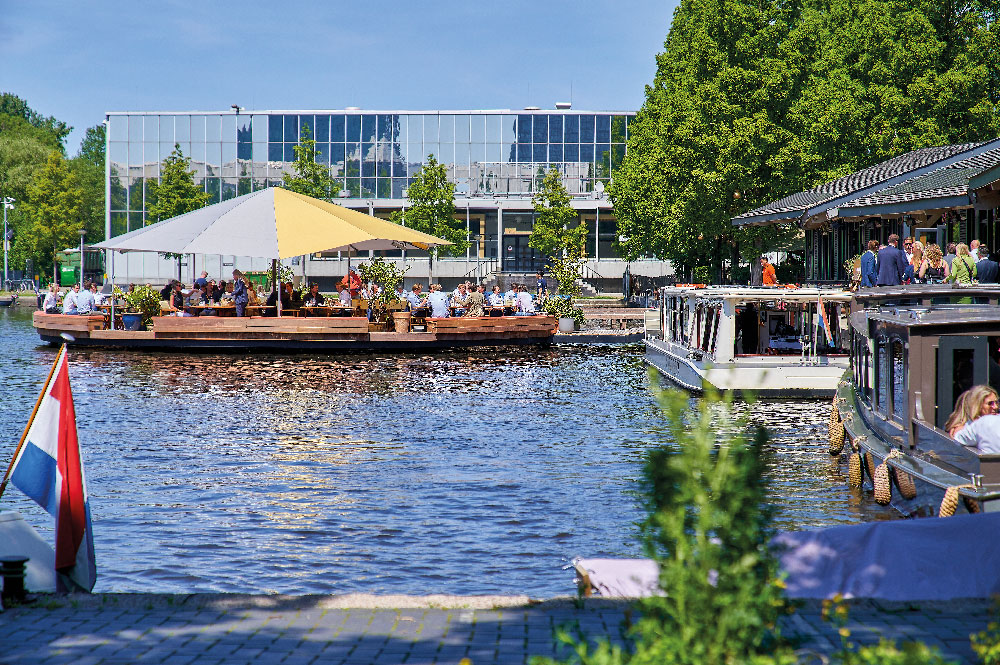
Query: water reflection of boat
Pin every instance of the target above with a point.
(770, 341)
(914, 350)
(293, 334)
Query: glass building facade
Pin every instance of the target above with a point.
(495, 158)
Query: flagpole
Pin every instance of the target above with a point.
(20, 444)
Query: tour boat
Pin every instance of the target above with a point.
(770, 341)
(914, 350)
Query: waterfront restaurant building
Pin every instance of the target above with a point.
(495, 158)
(942, 194)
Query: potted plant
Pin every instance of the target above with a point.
(141, 304)
(388, 276)
(566, 270)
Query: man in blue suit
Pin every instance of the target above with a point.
(891, 263)
(869, 265)
(986, 268)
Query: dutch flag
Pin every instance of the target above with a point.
(49, 469)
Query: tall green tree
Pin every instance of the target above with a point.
(308, 176)
(755, 101)
(13, 106)
(557, 232)
(88, 166)
(176, 193)
(55, 202)
(431, 209)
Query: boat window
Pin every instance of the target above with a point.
(715, 330)
(709, 325)
(899, 392)
(881, 376)
(866, 369)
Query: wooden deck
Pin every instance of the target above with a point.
(334, 334)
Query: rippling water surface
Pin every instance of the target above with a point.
(465, 473)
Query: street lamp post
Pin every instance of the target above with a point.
(8, 204)
(83, 232)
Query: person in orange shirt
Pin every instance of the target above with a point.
(767, 272)
(353, 282)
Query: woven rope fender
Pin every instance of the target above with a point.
(904, 482)
(869, 466)
(971, 505)
(854, 470)
(836, 430)
(883, 487)
(949, 502)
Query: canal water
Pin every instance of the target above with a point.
(477, 472)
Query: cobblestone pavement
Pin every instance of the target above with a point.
(228, 629)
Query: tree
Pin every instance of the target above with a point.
(175, 194)
(14, 106)
(752, 102)
(55, 200)
(308, 176)
(556, 233)
(432, 209)
(88, 166)
(92, 148)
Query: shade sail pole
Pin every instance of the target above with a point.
(275, 287)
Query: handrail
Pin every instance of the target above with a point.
(484, 266)
(586, 272)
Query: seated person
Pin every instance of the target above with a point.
(525, 305)
(344, 293)
(417, 301)
(460, 299)
(85, 303)
(194, 296)
(510, 295)
(69, 302)
(973, 404)
(438, 302)
(496, 298)
(164, 292)
(982, 435)
(176, 299)
(475, 302)
(51, 303)
(314, 297)
(290, 298)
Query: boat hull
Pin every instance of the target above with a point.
(764, 376)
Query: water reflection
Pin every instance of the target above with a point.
(474, 472)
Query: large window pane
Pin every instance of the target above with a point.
(495, 152)
(197, 128)
(523, 152)
(555, 129)
(555, 152)
(322, 129)
(229, 128)
(119, 128)
(384, 128)
(587, 152)
(618, 129)
(604, 129)
(229, 159)
(541, 128)
(494, 132)
(151, 128)
(462, 154)
(367, 128)
(431, 123)
(617, 155)
(524, 128)
(275, 134)
(337, 129)
(477, 128)
(586, 129)
(477, 153)
(353, 128)
(213, 128)
(402, 129)
(447, 129)
(508, 129)
(275, 152)
(135, 194)
(307, 121)
(571, 128)
(213, 158)
(289, 152)
(571, 152)
(291, 129)
(540, 152)
(135, 128)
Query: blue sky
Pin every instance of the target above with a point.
(76, 60)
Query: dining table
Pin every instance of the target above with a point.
(326, 310)
(219, 310)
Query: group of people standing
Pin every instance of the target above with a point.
(888, 265)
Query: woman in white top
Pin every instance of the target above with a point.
(525, 305)
(51, 303)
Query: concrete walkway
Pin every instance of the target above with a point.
(213, 629)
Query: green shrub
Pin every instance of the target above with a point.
(987, 643)
(563, 308)
(143, 300)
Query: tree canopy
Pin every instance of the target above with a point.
(308, 176)
(754, 101)
(555, 232)
(176, 193)
(55, 201)
(431, 207)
